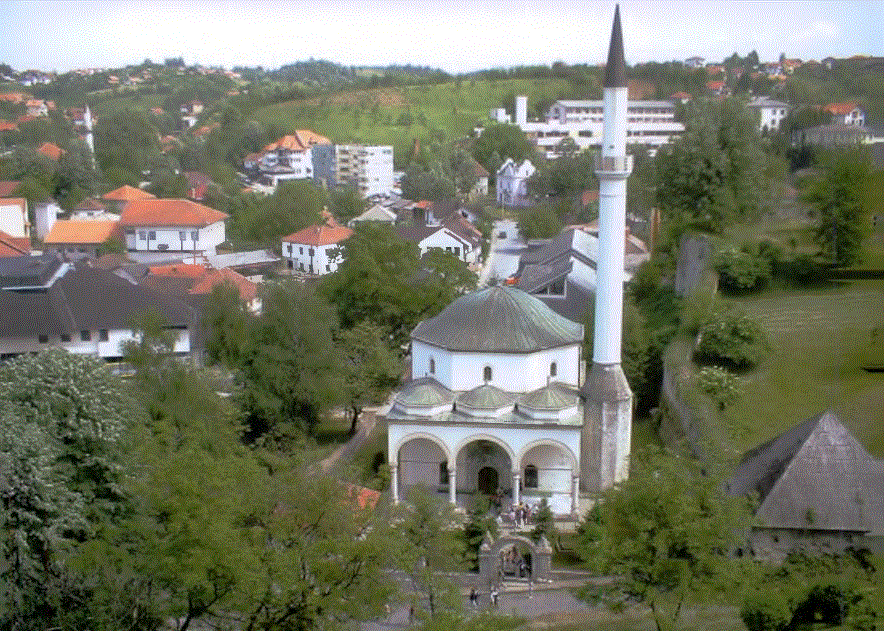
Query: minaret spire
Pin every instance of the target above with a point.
(607, 410)
(615, 68)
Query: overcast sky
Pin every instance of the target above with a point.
(456, 35)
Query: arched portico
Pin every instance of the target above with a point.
(550, 469)
(484, 463)
(420, 458)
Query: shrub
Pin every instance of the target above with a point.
(827, 603)
(768, 610)
(802, 270)
(722, 386)
(732, 338)
(742, 270)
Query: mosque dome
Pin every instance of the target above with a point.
(498, 319)
(485, 400)
(551, 401)
(424, 396)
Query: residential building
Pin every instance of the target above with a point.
(316, 249)
(91, 208)
(769, 112)
(173, 225)
(834, 135)
(119, 197)
(694, 62)
(14, 246)
(512, 182)
(74, 239)
(46, 213)
(455, 235)
(51, 151)
(650, 123)
(848, 113)
(289, 158)
(369, 169)
(14, 217)
(7, 187)
(818, 490)
(188, 279)
(375, 213)
(48, 303)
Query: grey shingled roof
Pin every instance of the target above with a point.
(814, 476)
(555, 396)
(85, 298)
(486, 397)
(536, 276)
(498, 319)
(424, 392)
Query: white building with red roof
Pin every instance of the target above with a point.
(172, 225)
(315, 249)
(847, 113)
(290, 157)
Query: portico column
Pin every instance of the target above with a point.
(452, 485)
(394, 482)
(516, 478)
(575, 488)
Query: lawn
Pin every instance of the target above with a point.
(142, 102)
(374, 116)
(820, 340)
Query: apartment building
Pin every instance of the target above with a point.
(369, 169)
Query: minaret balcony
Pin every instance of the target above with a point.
(613, 164)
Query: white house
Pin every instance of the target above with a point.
(770, 113)
(14, 217)
(315, 250)
(493, 404)
(47, 303)
(375, 213)
(847, 113)
(173, 225)
(512, 182)
(45, 215)
(455, 235)
(77, 238)
(290, 157)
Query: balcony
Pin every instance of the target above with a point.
(613, 164)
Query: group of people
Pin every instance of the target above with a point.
(521, 514)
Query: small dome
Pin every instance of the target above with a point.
(498, 319)
(424, 393)
(485, 397)
(553, 397)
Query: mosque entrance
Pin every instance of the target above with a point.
(488, 482)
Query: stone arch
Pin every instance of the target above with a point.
(493, 439)
(394, 457)
(489, 556)
(549, 442)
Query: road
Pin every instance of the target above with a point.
(503, 256)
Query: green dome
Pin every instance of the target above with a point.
(424, 393)
(555, 396)
(486, 397)
(498, 319)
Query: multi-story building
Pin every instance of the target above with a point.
(369, 169)
(316, 249)
(771, 113)
(172, 225)
(650, 123)
(846, 114)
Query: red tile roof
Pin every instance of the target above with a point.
(179, 270)
(79, 231)
(325, 234)
(127, 194)
(90, 203)
(50, 150)
(7, 187)
(169, 212)
(14, 246)
(840, 108)
(248, 290)
(7, 126)
(301, 140)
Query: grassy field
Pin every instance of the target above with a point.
(135, 102)
(373, 116)
(819, 343)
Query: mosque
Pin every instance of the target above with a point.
(499, 402)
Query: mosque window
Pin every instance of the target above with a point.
(530, 477)
(443, 472)
(486, 373)
(552, 369)
(432, 366)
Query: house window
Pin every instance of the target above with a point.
(85, 336)
(432, 366)
(486, 373)
(456, 251)
(443, 472)
(142, 235)
(43, 339)
(102, 335)
(194, 235)
(65, 337)
(530, 477)
(300, 250)
(310, 251)
(182, 234)
(552, 369)
(152, 235)
(328, 267)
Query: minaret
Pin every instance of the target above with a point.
(607, 410)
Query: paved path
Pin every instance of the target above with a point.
(503, 256)
(366, 423)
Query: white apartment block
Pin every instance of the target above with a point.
(367, 168)
(650, 123)
(770, 113)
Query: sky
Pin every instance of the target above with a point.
(455, 35)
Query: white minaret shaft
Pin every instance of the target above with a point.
(607, 422)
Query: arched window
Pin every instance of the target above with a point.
(486, 373)
(432, 366)
(552, 369)
(443, 472)
(530, 477)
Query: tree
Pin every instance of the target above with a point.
(125, 142)
(545, 525)
(292, 374)
(228, 325)
(64, 422)
(373, 369)
(427, 548)
(479, 524)
(838, 197)
(539, 222)
(665, 533)
(507, 141)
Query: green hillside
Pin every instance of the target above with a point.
(396, 116)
